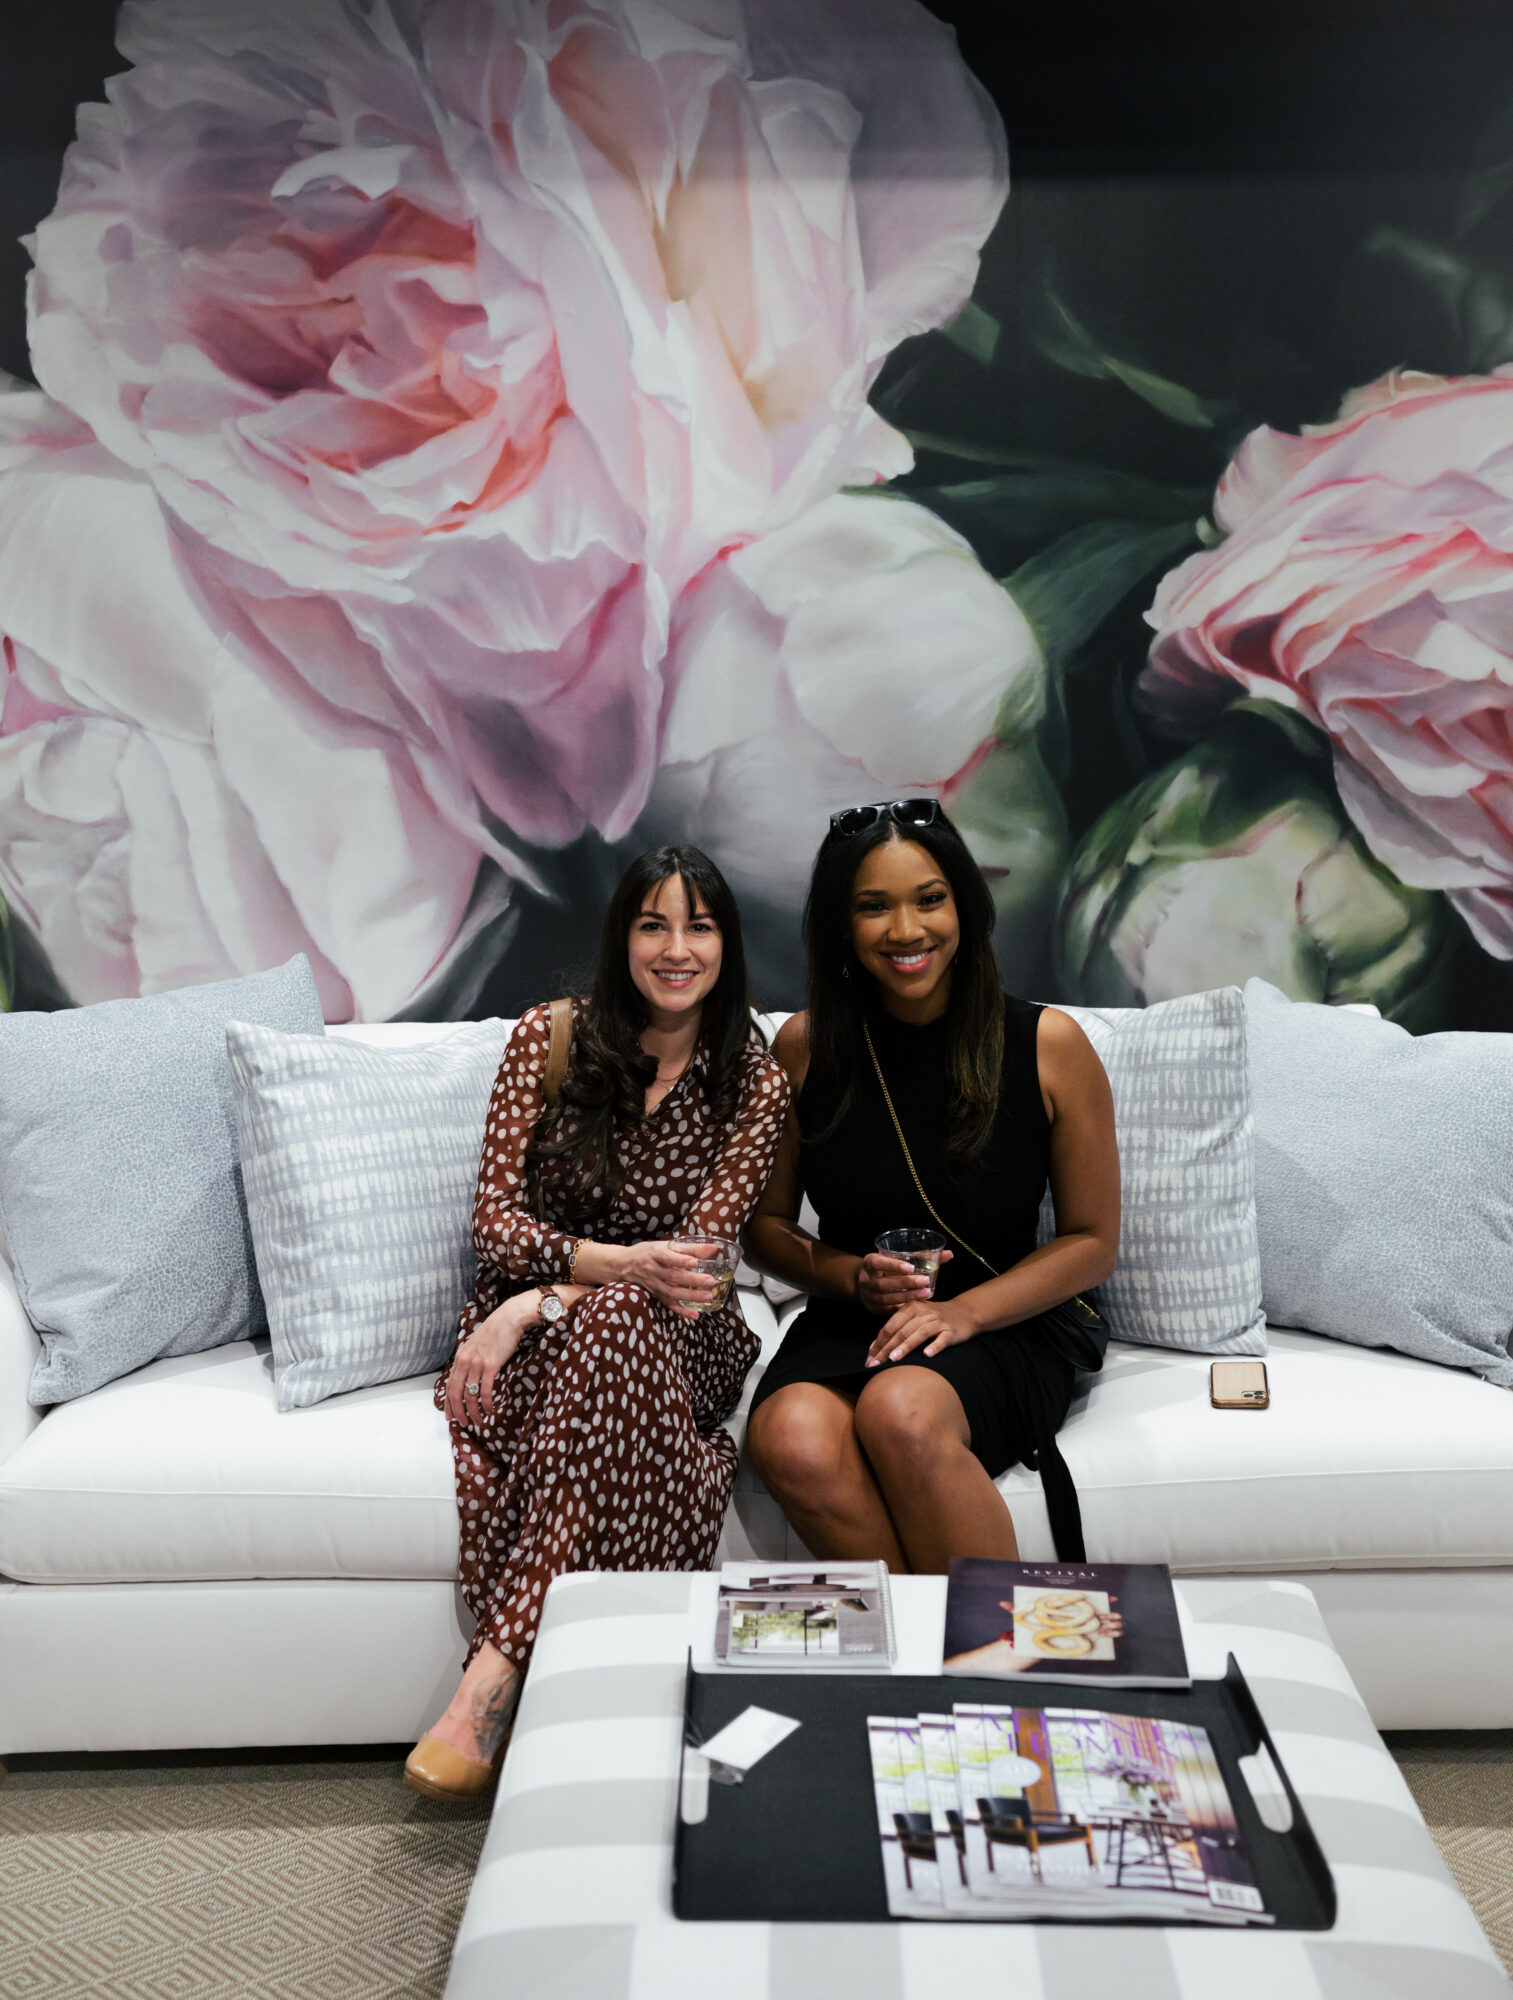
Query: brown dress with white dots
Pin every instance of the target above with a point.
(604, 1449)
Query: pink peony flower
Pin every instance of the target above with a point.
(458, 337)
(176, 803)
(861, 653)
(1367, 583)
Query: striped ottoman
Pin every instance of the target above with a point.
(572, 1898)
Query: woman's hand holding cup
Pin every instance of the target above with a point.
(670, 1272)
(884, 1283)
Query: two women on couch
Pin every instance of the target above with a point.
(588, 1390)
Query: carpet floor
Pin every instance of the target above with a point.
(1463, 1782)
(280, 1877)
(293, 1876)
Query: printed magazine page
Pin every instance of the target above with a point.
(1154, 1792)
(937, 1737)
(905, 1825)
(791, 1615)
(1099, 1624)
(1079, 1813)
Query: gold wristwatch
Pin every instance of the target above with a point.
(552, 1306)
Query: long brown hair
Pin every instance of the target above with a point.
(609, 1074)
(839, 991)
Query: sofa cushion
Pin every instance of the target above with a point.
(188, 1471)
(1189, 1269)
(1384, 1181)
(1365, 1460)
(360, 1165)
(119, 1186)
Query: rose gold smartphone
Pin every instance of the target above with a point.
(1238, 1385)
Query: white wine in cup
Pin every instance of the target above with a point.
(920, 1247)
(714, 1257)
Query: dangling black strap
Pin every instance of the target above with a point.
(1061, 1502)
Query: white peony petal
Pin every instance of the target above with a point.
(860, 650)
(234, 819)
(496, 326)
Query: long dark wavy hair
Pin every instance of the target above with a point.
(609, 1073)
(840, 991)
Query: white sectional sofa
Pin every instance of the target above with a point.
(183, 1566)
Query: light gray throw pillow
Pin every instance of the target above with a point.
(119, 1188)
(1189, 1271)
(1384, 1181)
(361, 1166)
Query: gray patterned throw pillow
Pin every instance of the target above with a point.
(1189, 1270)
(119, 1188)
(1384, 1182)
(361, 1165)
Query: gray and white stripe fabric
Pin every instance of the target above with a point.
(572, 1898)
(360, 1166)
(1189, 1269)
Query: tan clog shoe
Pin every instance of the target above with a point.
(435, 1768)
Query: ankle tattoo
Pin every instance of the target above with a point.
(492, 1708)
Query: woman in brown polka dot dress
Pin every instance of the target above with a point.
(592, 1376)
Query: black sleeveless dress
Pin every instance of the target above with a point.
(1015, 1382)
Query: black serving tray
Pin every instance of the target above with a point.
(797, 1841)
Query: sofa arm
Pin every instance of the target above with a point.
(19, 1348)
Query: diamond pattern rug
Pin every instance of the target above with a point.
(290, 1877)
(1463, 1782)
(273, 1878)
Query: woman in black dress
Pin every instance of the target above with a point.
(886, 1415)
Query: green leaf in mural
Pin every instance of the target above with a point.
(1067, 589)
(1037, 495)
(975, 332)
(1301, 734)
(1445, 272)
(1067, 342)
(1490, 180)
(1237, 859)
(1011, 814)
(1475, 299)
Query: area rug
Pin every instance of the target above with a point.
(1463, 1782)
(287, 1877)
(275, 1878)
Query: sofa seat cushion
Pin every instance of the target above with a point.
(1366, 1459)
(187, 1471)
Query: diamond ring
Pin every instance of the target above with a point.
(472, 1388)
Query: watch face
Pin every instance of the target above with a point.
(552, 1308)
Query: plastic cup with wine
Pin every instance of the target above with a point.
(714, 1257)
(920, 1247)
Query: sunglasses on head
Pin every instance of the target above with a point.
(903, 812)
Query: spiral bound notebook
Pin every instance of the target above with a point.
(792, 1617)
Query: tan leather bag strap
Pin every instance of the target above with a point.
(558, 1048)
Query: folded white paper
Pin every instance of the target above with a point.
(733, 1750)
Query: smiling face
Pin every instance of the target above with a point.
(675, 953)
(904, 928)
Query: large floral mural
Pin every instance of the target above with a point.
(466, 441)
